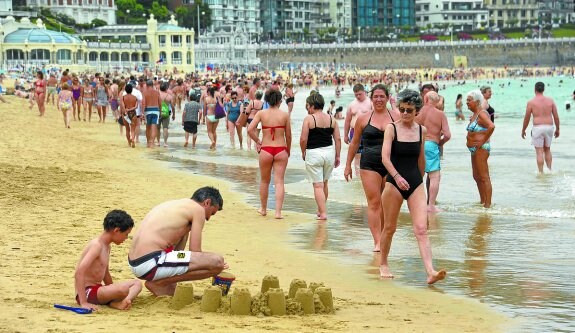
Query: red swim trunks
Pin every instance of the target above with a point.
(91, 295)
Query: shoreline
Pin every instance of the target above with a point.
(63, 182)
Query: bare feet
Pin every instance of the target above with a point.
(376, 248)
(185, 144)
(124, 304)
(158, 290)
(262, 212)
(433, 209)
(436, 276)
(213, 146)
(279, 216)
(321, 217)
(384, 272)
(165, 145)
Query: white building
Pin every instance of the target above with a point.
(83, 11)
(290, 19)
(226, 47)
(459, 14)
(5, 6)
(340, 13)
(236, 12)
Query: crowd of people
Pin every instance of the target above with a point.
(395, 131)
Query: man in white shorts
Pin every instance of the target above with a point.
(544, 113)
(157, 254)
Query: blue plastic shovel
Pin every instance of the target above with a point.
(73, 309)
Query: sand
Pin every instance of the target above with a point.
(58, 184)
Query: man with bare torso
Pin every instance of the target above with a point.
(158, 251)
(437, 135)
(151, 104)
(544, 113)
(360, 105)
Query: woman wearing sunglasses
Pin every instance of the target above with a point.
(403, 156)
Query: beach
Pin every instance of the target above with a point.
(59, 183)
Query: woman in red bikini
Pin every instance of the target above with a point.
(40, 92)
(274, 149)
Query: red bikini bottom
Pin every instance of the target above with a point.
(273, 150)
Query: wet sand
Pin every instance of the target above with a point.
(57, 185)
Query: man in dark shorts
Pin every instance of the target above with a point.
(190, 119)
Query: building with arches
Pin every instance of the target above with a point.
(108, 48)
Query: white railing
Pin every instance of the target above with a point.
(124, 46)
(177, 61)
(176, 44)
(501, 42)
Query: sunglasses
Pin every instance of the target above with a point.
(410, 110)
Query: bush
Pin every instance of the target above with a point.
(464, 36)
(428, 38)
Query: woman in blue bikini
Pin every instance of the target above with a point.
(479, 132)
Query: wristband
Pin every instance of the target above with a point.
(395, 175)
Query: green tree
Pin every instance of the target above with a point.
(512, 22)
(136, 11)
(332, 30)
(99, 23)
(187, 16)
(160, 11)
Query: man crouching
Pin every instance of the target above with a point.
(157, 254)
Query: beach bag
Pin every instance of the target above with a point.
(243, 119)
(165, 111)
(219, 111)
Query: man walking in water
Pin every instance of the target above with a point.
(544, 113)
(357, 107)
(437, 135)
(158, 250)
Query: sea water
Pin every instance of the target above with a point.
(516, 256)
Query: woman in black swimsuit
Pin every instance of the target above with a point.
(369, 127)
(404, 158)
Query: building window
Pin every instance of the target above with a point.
(176, 58)
(162, 40)
(446, 6)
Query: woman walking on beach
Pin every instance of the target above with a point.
(102, 94)
(403, 156)
(370, 127)
(65, 103)
(290, 97)
(274, 149)
(253, 108)
(40, 92)
(128, 107)
(212, 122)
(87, 98)
(458, 107)
(235, 107)
(76, 97)
(479, 132)
(318, 134)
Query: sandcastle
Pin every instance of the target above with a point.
(211, 299)
(270, 301)
(183, 295)
(241, 302)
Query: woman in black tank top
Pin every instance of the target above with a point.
(404, 158)
(370, 128)
(318, 134)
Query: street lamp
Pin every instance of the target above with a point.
(358, 35)
(127, 15)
